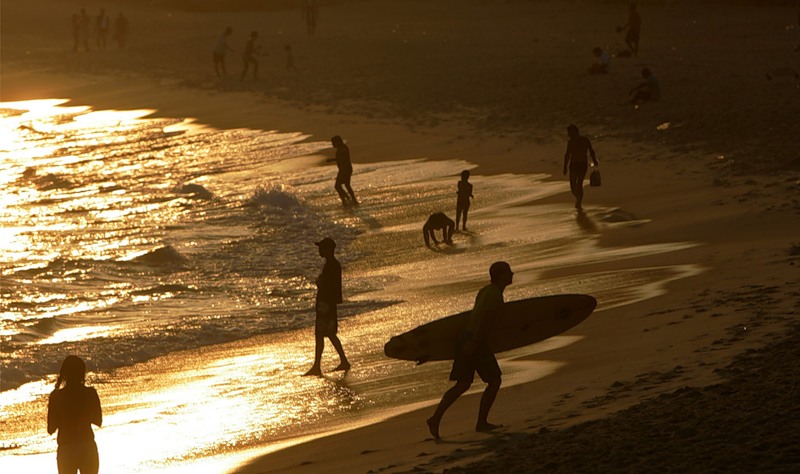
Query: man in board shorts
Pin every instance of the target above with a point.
(473, 353)
(575, 158)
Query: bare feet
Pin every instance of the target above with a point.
(486, 427)
(343, 366)
(433, 427)
(313, 371)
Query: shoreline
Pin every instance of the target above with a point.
(638, 352)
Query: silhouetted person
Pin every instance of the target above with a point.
(463, 201)
(72, 410)
(345, 171)
(85, 25)
(438, 221)
(76, 31)
(603, 61)
(289, 58)
(634, 27)
(576, 159)
(220, 49)
(121, 31)
(310, 15)
(329, 294)
(649, 90)
(473, 353)
(101, 29)
(249, 55)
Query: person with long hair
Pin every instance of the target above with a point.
(72, 410)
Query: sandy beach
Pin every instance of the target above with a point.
(700, 377)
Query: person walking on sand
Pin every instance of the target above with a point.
(220, 49)
(634, 27)
(463, 201)
(101, 29)
(648, 90)
(437, 221)
(310, 13)
(85, 24)
(329, 295)
(473, 353)
(345, 166)
(576, 160)
(72, 410)
(251, 49)
(121, 31)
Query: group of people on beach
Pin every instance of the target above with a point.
(250, 53)
(84, 29)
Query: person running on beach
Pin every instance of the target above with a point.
(342, 160)
(575, 158)
(649, 90)
(220, 48)
(251, 49)
(473, 353)
(463, 201)
(72, 410)
(329, 294)
(437, 221)
(634, 27)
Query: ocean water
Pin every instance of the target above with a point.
(178, 261)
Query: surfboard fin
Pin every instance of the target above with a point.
(422, 360)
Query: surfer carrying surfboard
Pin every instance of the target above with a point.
(473, 353)
(329, 294)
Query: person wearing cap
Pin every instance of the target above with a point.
(437, 221)
(473, 353)
(342, 160)
(329, 294)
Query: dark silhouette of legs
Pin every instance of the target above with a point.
(448, 399)
(319, 347)
(344, 364)
(576, 186)
(487, 400)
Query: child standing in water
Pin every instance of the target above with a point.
(72, 410)
(464, 196)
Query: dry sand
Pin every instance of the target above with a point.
(658, 385)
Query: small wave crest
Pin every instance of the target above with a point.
(195, 191)
(273, 196)
(162, 256)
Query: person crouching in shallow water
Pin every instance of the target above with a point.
(575, 158)
(438, 221)
(464, 195)
(329, 294)
(71, 411)
(473, 353)
(345, 171)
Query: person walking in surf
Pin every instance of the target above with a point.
(345, 166)
(576, 160)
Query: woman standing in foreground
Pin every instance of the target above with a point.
(72, 410)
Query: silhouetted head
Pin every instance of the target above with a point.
(632, 7)
(572, 131)
(646, 73)
(227, 31)
(500, 273)
(337, 141)
(465, 175)
(254, 34)
(326, 247)
(73, 370)
(288, 47)
(597, 51)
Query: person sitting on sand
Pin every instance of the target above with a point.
(648, 90)
(329, 294)
(438, 221)
(463, 201)
(72, 410)
(473, 353)
(576, 159)
(603, 61)
(345, 166)
(634, 27)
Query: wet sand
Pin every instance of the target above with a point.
(723, 174)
